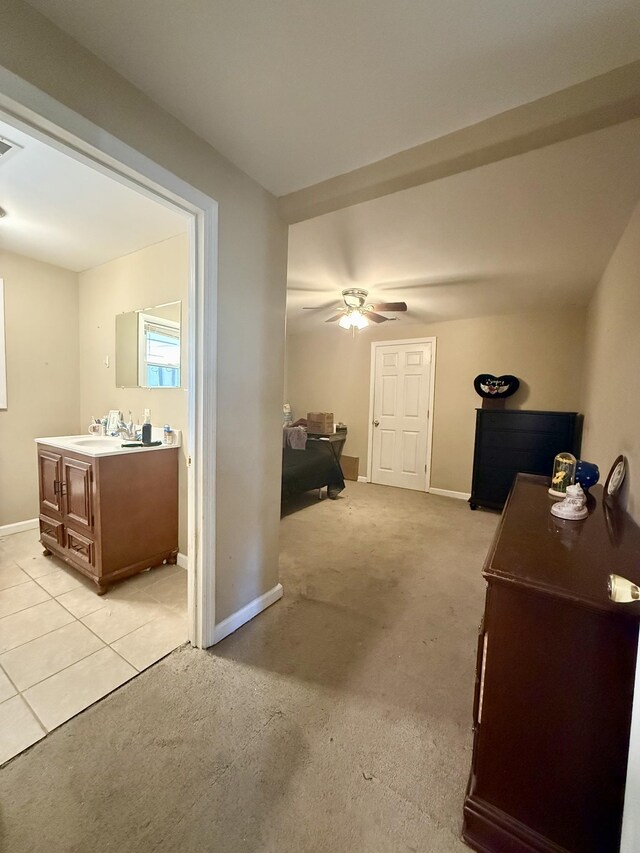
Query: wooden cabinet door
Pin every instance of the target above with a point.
(77, 492)
(50, 478)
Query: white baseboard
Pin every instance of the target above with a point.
(242, 616)
(18, 527)
(362, 479)
(182, 561)
(446, 493)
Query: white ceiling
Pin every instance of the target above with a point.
(65, 213)
(528, 232)
(296, 91)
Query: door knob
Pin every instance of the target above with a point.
(376, 423)
(622, 590)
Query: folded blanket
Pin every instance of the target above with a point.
(294, 437)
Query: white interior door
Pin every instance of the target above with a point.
(401, 389)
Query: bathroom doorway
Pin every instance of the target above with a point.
(161, 589)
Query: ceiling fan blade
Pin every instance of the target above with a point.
(321, 307)
(377, 318)
(337, 317)
(390, 306)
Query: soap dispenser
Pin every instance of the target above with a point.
(146, 427)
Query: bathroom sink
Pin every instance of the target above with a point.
(106, 445)
(98, 442)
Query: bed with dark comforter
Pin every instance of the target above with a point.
(312, 468)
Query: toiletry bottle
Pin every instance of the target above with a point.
(168, 435)
(146, 427)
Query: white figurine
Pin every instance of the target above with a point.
(573, 506)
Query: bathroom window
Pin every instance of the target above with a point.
(159, 352)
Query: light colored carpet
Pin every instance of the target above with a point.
(338, 720)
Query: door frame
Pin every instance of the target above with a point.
(432, 387)
(38, 114)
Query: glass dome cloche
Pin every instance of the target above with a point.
(564, 474)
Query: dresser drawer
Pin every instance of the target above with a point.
(497, 440)
(545, 422)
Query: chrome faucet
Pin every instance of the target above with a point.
(127, 430)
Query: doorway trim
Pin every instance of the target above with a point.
(432, 388)
(50, 121)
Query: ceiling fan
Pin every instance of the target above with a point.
(357, 313)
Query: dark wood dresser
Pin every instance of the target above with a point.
(512, 440)
(555, 680)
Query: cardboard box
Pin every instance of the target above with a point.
(350, 466)
(320, 423)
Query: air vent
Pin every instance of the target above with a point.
(7, 148)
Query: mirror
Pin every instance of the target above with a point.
(148, 347)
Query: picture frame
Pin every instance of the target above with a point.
(615, 479)
(113, 419)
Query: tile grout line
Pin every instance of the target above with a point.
(62, 669)
(169, 611)
(108, 645)
(116, 652)
(37, 580)
(12, 682)
(155, 619)
(79, 619)
(37, 718)
(40, 635)
(20, 583)
(68, 666)
(21, 693)
(91, 704)
(22, 609)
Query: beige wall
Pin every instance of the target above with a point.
(329, 371)
(41, 316)
(151, 276)
(251, 289)
(612, 371)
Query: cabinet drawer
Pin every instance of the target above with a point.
(528, 421)
(81, 547)
(528, 461)
(536, 441)
(51, 531)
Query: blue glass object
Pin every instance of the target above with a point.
(587, 474)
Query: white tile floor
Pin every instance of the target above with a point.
(63, 647)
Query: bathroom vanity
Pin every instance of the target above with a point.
(108, 511)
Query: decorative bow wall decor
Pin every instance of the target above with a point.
(500, 387)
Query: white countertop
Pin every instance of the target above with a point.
(97, 445)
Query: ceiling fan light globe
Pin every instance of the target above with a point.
(345, 322)
(359, 321)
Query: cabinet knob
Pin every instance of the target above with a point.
(621, 590)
